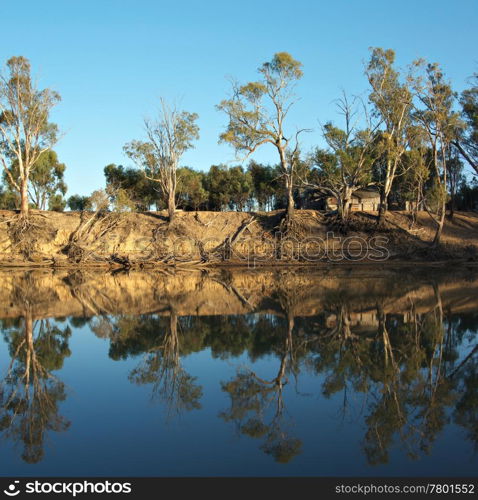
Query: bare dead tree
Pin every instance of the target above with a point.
(169, 136)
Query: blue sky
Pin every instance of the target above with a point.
(111, 60)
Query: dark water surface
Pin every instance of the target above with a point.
(325, 373)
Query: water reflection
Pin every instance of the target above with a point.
(30, 394)
(158, 340)
(401, 351)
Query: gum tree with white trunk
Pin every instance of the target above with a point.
(25, 130)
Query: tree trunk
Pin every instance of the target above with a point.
(289, 186)
(344, 204)
(382, 209)
(416, 208)
(286, 223)
(171, 205)
(24, 206)
(439, 229)
(341, 210)
(290, 199)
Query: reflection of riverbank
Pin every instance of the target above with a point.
(85, 294)
(394, 354)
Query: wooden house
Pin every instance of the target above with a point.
(363, 200)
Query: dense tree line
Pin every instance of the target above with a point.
(221, 188)
(413, 139)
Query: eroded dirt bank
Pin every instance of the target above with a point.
(139, 240)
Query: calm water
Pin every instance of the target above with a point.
(325, 373)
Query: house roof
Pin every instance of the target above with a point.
(366, 193)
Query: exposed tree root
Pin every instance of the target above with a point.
(88, 236)
(24, 234)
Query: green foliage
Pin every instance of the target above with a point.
(46, 181)
(79, 203)
(228, 187)
(56, 203)
(217, 184)
(99, 200)
(133, 183)
(468, 140)
(436, 195)
(264, 184)
(9, 200)
(240, 187)
(192, 194)
(121, 202)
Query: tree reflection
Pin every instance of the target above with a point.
(403, 367)
(30, 394)
(257, 405)
(411, 365)
(465, 376)
(406, 365)
(162, 368)
(160, 344)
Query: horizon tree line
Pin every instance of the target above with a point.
(410, 141)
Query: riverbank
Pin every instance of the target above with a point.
(211, 239)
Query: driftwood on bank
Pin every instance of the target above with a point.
(224, 250)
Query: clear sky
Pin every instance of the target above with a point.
(111, 60)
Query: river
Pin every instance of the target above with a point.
(325, 372)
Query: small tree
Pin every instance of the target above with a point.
(240, 188)
(25, 132)
(264, 184)
(79, 203)
(257, 112)
(8, 199)
(217, 184)
(140, 190)
(168, 138)
(455, 176)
